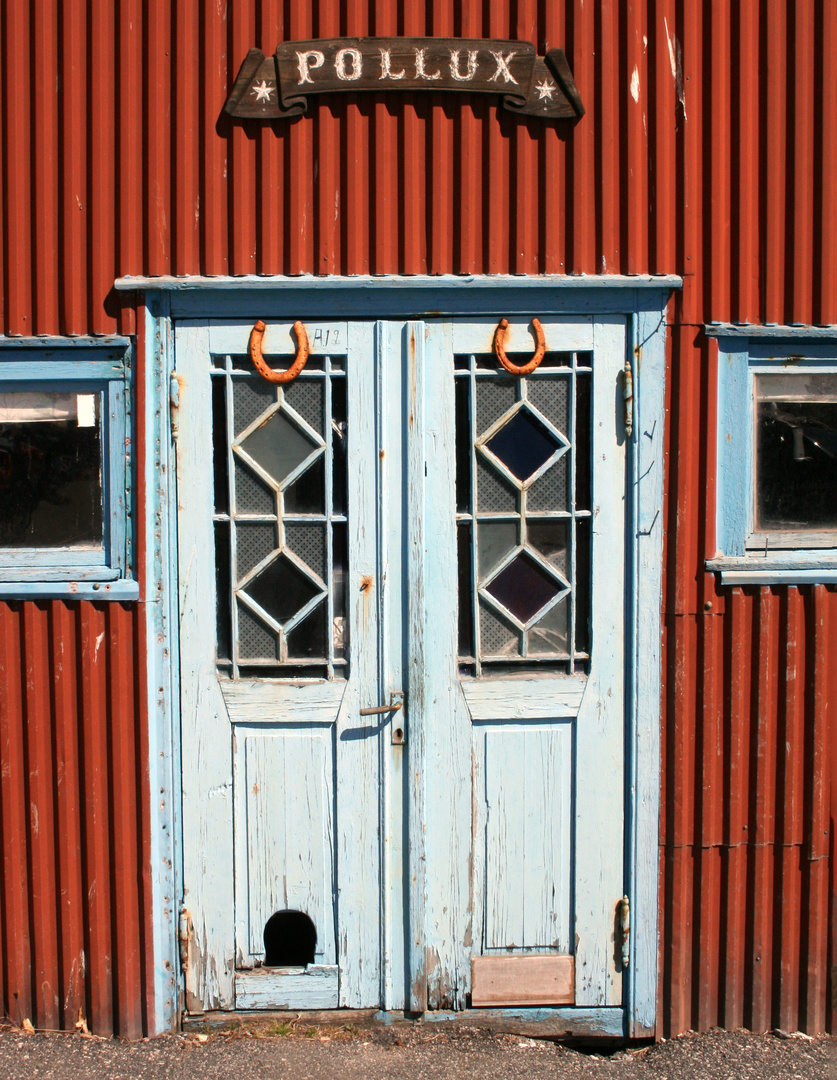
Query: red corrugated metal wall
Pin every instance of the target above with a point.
(72, 820)
(707, 150)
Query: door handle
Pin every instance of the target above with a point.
(393, 706)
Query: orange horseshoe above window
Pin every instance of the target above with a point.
(255, 349)
(500, 350)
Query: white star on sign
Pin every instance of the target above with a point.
(262, 91)
(546, 89)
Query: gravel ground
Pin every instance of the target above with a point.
(410, 1051)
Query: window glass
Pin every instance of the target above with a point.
(50, 470)
(796, 452)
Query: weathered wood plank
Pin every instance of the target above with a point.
(207, 761)
(522, 980)
(600, 792)
(288, 797)
(358, 855)
(272, 702)
(524, 698)
(567, 334)
(324, 337)
(313, 987)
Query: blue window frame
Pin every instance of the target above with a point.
(776, 510)
(65, 468)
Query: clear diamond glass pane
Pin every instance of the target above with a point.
(278, 446)
(252, 495)
(306, 397)
(523, 444)
(251, 397)
(253, 542)
(551, 539)
(551, 491)
(222, 590)
(524, 587)
(466, 605)
(255, 641)
(497, 637)
(551, 398)
(494, 397)
(307, 542)
(463, 445)
(308, 640)
(307, 494)
(493, 493)
(549, 636)
(281, 589)
(494, 542)
(219, 445)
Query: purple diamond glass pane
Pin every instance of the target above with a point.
(523, 444)
(523, 587)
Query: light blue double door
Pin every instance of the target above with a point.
(406, 527)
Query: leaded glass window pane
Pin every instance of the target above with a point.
(523, 517)
(280, 527)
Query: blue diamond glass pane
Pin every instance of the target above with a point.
(523, 444)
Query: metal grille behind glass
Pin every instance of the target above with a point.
(279, 460)
(523, 515)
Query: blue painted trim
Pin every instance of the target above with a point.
(102, 366)
(493, 282)
(740, 357)
(406, 298)
(70, 590)
(646, 468)
(160, 598)
(645, 297)
(48, 343)
(27, 371)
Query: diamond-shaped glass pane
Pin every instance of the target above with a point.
(278, 446)
(281, 589)
(523, 444)
(523, 587)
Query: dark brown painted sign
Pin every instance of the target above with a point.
(280, 85)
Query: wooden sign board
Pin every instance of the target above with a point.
(280, 85)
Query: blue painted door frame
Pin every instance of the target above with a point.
(642, 302)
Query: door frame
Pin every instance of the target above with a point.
(643, 300)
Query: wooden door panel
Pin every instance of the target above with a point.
(287, 815)
(528, 836)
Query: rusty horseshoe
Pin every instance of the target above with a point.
(255, 350)
(500, 349)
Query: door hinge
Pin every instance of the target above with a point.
(174, 404)
(628, 398)
(625, 928)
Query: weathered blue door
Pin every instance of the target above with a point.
(406, 527)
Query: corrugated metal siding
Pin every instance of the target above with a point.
(705, 150)
(708, 150)
(72, 821)
(746, 844)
